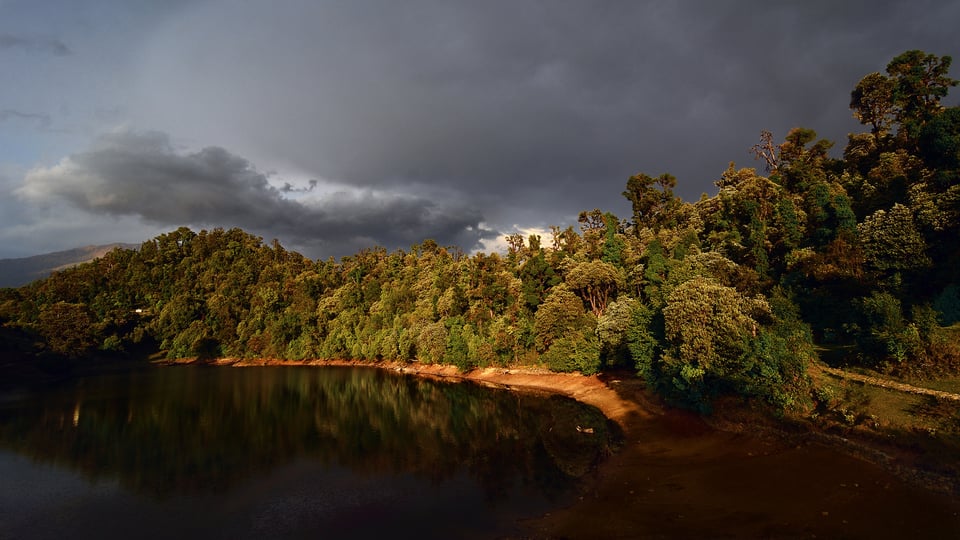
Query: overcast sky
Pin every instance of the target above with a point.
(332, 126)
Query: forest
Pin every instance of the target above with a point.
(851, 259)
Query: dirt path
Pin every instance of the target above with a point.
(886, 383)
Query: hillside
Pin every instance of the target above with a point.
(848, 261)
(19, 272)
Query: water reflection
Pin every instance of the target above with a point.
(175, 431)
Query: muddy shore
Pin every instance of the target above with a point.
(679, 477)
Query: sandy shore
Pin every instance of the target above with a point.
(623, 407)
(678, 477)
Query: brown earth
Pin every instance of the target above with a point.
(677, 476)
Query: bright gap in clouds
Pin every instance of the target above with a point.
(498, 244)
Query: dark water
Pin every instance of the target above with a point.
(287, 452)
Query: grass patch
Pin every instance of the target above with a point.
(854, 403)
(944, 384)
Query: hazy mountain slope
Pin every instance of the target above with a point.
(18, 272)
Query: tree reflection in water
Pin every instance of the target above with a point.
(181, 430)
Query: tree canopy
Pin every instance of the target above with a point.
(727, 294)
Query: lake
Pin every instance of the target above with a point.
(347, 452)
(288, 452)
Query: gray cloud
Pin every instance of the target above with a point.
(141, 174)
(540, 108)
(34, 44)
(290, 188)
(438, 112)
(41, 120)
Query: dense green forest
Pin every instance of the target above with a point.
(854, 258)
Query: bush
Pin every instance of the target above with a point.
(641, 341)
(574, 353)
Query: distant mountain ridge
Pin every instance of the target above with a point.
(19, 272)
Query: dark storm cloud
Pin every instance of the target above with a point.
(420, 117)
(290, 188)
(34, 44)
(140, 174)
(539, 109)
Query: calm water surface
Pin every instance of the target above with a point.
(287, 452)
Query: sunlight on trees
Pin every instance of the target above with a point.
(723, 295)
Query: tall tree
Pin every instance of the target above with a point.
(597, 282)
(653, 202)
(872, 103)
(920, 81)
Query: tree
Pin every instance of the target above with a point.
(920, 81)
(765, 151)
(887, 333)
(612, 243)
(597, 282)
(891, 241)
(516, 249)
(872, 103)
(644, 341)
(565, 333)
(68, 328)
(655, 268)
(592, 226)
(559, 314)
(654, 205)
(577, 351)
(940, 143)
(564, 241)
(538, 277)
(613, 328)
(752, 220)
(709, 329)
(457, 351)
(795, 152)
(908, 96)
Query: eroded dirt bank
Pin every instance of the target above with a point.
(678, 477)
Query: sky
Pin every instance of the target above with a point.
(334, 126)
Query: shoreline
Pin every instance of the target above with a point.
(741, 474)
(623, 408)
(627, 402)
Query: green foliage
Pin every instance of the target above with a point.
(891, 241)
(579, 351)
(887, 333)
(644, 340)
(920, 81)
(939, 143)
(698, 298)
(720, 341)
(561, 313)
(654, 205)
(458, 351)
(597, 282)
(537, 277)
(775, 367)
(708, 325)
(872, 102)
(908, 96)
(654, 271)
(68, 328)
(432, 343)
(613, 244)
(613, 327)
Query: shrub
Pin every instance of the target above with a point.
(579, 352)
